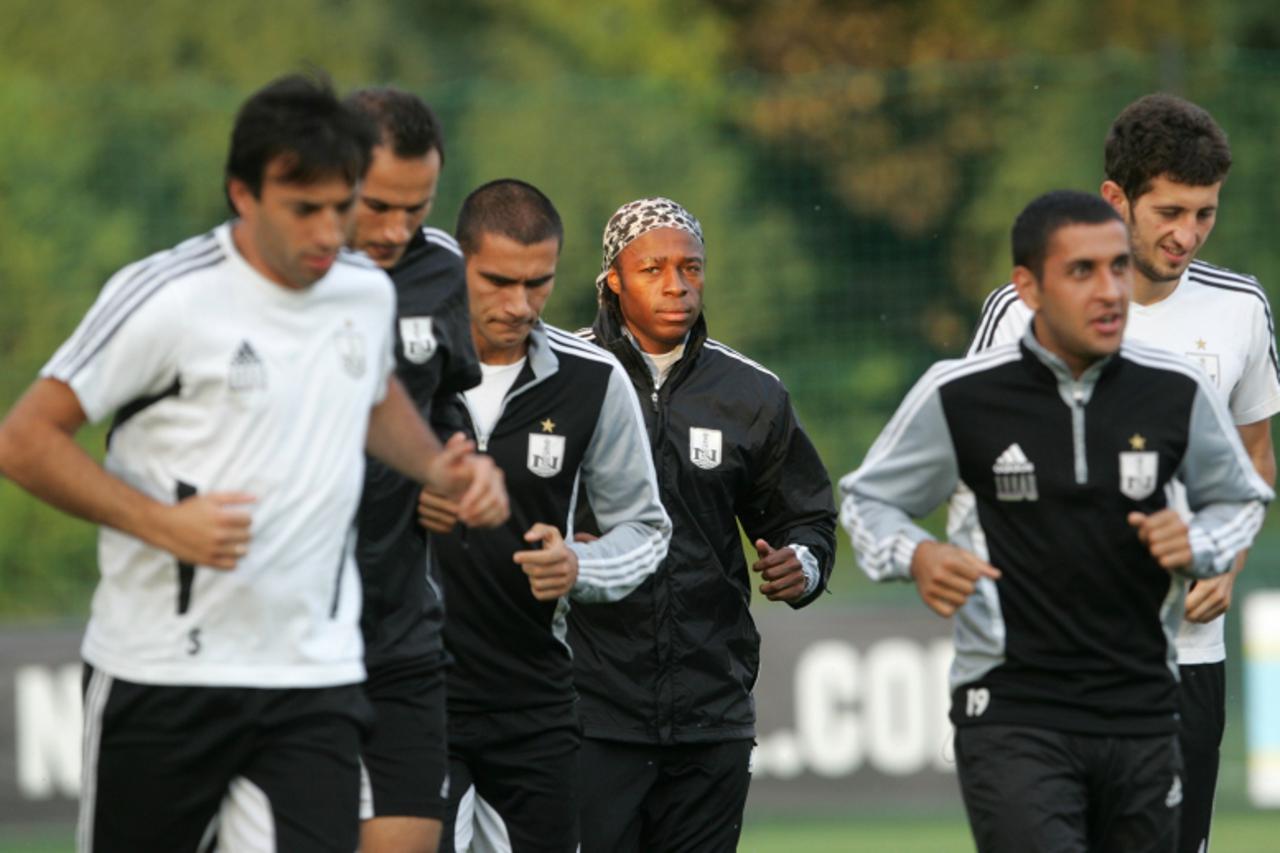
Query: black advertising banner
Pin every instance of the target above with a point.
(852, 707)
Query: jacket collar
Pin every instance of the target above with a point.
(418, 244)
(1061, 372)
(610, 333)
(542, 360)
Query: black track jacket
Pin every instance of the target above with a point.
(403, 612)
(1077, 633)
(571, 421)
(675, 661)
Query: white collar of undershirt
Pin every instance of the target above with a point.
(659, 364)
(485, 400)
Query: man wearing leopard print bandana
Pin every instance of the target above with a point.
(665, 675)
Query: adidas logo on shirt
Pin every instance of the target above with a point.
(1015, 476)
(247, 370)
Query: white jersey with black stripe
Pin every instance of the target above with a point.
(1217, 318)
(221, 380)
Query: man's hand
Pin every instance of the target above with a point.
(205, 530)
(781, 571)
(1166, 536)
(1209, 599)
(477, 484)
(485, 503)
(553, 568)
(436, 512)
(946, 575)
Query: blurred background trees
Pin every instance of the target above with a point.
(855, 164)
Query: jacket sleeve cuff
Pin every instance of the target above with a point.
(1207, 560)
(809, 565)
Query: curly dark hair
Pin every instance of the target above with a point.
(1163, 134)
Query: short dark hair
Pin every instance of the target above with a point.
(405, 123)
(1045, 215)
(299, 117)
(1162, 134)
(510, 208)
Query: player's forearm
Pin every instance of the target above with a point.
(1219, 533)
(46, 461)
(612, 566)
(884, 537)
(399, 437)
(1263, 456)
(1257, 443)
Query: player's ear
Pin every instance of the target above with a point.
(613, 280)
(1024, 281)
(1114, 196)
(240, 195)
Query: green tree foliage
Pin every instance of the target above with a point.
(855, 164)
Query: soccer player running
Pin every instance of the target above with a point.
(557, 415)
(1166, 160)
(1068, 593)
(247, 369)
(405, 759)
(665, 675)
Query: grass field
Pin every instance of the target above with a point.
(1234, 832)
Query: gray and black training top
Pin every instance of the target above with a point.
(1078, 633)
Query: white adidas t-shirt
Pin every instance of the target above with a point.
(1222, 321)
(258, 389)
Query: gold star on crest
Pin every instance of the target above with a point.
(548, 425)
(1137, 442)
(1200, 343)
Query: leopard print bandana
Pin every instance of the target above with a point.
(639, 217)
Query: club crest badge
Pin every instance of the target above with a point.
(546, 454)
(1139, 469)
(350, 345)
(418, 339)
(705, 447)
(1209, 364)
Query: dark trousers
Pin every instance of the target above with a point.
(169, 769)
(663, 799)
(513, 778)
(405, 753)
(1202, 707)
(1031, 790)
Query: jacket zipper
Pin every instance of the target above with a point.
(1077, 434)
(482, 441)
(635, 366)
